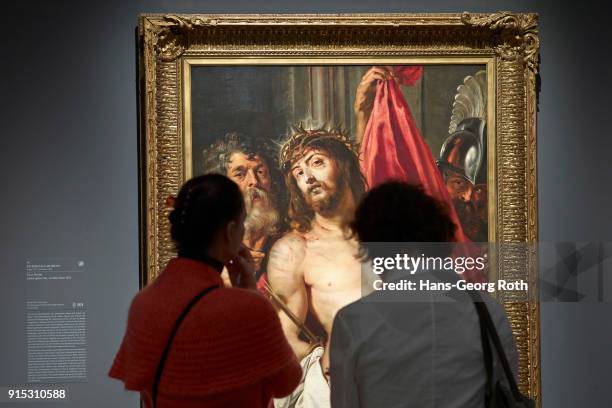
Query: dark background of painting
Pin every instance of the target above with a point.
(266, 100)
(69, 170)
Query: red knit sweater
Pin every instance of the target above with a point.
(229, 351)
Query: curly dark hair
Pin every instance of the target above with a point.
(203, 205)
(396, 211)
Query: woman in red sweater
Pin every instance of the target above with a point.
(190, 342)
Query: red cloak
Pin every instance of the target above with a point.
(393, 148)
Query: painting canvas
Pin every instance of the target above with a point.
(304, 143)
(307, 113)
(243, 116)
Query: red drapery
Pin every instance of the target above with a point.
(393, 148)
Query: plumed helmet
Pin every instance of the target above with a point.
(462, 151)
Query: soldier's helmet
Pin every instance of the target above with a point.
(462, 151)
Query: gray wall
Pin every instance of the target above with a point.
(68, 157)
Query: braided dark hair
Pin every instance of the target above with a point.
(203, 205)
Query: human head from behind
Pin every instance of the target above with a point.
(396, 211)
(208, 218)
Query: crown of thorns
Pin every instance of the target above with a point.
(292, 148)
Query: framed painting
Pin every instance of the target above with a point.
(441, 100)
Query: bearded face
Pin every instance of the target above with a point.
(252, 175)
(317, 177)
(262, 217)
(322, 197)
(472, 221)
(468, 217)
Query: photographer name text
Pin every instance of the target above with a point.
(428, 285)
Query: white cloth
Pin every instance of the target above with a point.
(313, 390)
(388, 350)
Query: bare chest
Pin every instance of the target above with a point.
(332, 264)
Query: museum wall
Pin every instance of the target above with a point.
(70, 180)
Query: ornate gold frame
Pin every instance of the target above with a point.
(507, 42)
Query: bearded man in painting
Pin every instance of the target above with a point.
(248, 161)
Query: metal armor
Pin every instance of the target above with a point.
(462, 152)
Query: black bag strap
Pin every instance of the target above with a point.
(177, 324)
(488, 327)
(488, 357)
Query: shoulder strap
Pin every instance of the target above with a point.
(487, 355)
(487, 326)
(177, 324)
